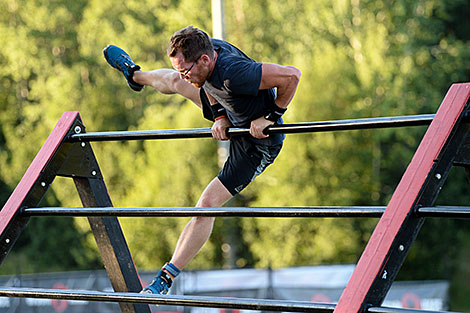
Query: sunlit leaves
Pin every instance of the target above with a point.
(358, 59)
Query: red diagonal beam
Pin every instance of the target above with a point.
(57, 156)
(375, 256)
(53, 142)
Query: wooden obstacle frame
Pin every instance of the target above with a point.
(67, 152)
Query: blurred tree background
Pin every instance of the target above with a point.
(358, 59)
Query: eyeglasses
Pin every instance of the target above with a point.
(185, 73)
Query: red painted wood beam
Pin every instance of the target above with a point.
(372, 262)
(53, 142)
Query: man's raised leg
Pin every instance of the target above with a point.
(168, 81)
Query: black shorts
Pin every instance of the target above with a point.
(247, 159)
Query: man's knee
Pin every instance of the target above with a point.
(207, 220)
(173, 80)
(215, 195)
(166, 81)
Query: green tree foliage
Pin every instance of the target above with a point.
(377, 59)
(358, 59)
(38, 82)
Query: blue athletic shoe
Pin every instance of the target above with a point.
(160, 285)
(120, 60)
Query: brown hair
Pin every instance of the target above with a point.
(192, 43)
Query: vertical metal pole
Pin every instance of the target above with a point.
(218, 27)
(218, 32)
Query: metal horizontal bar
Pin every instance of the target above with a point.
(379, 309)
(444, 211)
(307, 127)
(307, 211)
(398, 310)
(319, 211)
(195, 301)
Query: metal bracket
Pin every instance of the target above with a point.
(80, 160)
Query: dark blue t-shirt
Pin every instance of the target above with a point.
(234, 83)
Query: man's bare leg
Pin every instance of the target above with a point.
(168, 81)
(198, 230)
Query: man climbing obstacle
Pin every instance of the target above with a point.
(232, 90)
